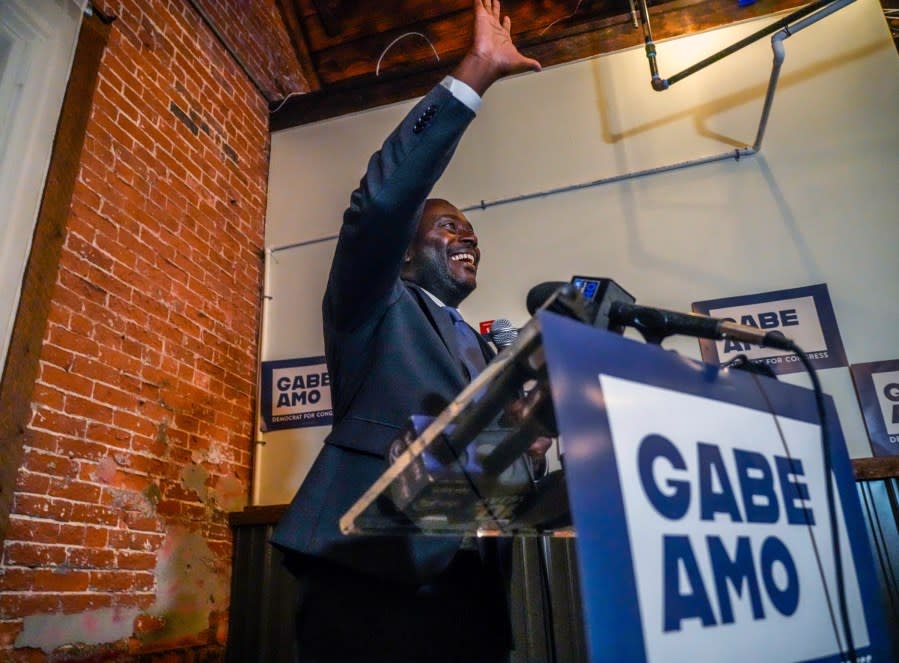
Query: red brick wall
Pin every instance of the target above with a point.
(261, 38)
(141, 436)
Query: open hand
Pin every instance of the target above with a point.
(493, 40)
(492, 54)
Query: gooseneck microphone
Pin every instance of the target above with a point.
(608, 306)
(657, 323)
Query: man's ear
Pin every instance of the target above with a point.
(406, 267)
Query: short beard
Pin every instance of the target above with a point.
(434, 276)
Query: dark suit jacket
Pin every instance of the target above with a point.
(389, 349)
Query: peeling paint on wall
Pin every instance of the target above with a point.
(50, 631)
(189, 587)
(153, 494)
(106, 470)
(132, 501)
(212, 455)
(194, 477)
(230, 494)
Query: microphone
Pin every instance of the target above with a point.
(657, 323)
(608, 306)
(503, 333)
(585, 298)
(558, 297)
(540, 293)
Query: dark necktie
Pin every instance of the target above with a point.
(469, 349)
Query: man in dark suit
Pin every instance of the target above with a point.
(391, 347)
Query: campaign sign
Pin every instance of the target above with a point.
(804, 315)
(698, 496)
(877, 388)
(296, 393)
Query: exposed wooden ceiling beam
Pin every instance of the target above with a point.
(289, 13)
(566, 41)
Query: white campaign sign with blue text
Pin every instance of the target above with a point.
(638, 411)
(300, 390)
(796, 318)
(296, 393)
(887, 395)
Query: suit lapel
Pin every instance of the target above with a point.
(441, 322)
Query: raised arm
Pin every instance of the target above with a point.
(384, 210)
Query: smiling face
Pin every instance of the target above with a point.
(443, 256)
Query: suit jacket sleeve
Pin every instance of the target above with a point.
(385, 209)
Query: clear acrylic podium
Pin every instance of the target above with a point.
(464, 471)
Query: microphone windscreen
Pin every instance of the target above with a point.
(540, 293)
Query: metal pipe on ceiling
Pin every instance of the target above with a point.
(660, 84)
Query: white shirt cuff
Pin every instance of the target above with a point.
(462, 92)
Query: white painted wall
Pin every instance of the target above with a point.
(819, 204)
(37, 44)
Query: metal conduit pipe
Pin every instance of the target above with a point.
(634, 14)
(777, 47)
(659, 84)
(732, 154)
(650, 46)
(826, 7)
